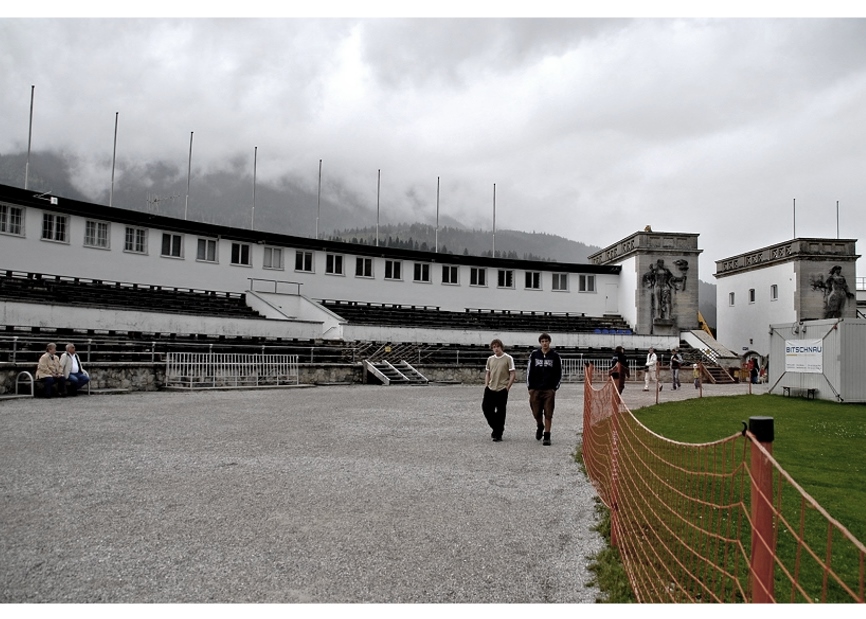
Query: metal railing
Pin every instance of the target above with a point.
(210, 370)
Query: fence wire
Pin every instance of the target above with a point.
(690, 520)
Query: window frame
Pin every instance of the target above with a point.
(211, 257)
(304, 261)
(774, 292)
(532, 280)
(478, 277)
(97, 234)
(171, 237)
(334, 264)
(586, 284)
(363, 267)
(559, 282)
(450, 275)
(133, 237)
(421, 272)
(7, 223)
(237, 257)
(268, 258)
(505, 279)
(393, 270)
(55, 220)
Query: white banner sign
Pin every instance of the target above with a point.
(805, 356)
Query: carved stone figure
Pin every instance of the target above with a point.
(663, 284)
(836, 293)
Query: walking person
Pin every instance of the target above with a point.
(498, 378)
(652, 368)
(76, 376)
(619, 368)
(676, 363)
(543, 377)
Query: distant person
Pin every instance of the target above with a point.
(619, 368)
(50, 372)
(677, 362)
(652, 369)
(76, 376)
(753, 371)
(696, 375)
(498, 378)
(543, 377)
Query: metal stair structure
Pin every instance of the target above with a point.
(713, 356)
(390, 374)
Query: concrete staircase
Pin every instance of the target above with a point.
(401, 373)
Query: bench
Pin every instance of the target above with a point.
(810, 392)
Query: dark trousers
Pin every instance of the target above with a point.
(493, 406)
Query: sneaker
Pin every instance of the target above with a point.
(497, 439)
(546, 440)
(539, 431)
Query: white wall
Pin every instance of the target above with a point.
(745, 326)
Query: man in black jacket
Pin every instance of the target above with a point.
(543, 376)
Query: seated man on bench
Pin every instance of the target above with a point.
(49, 372)
(76, 376)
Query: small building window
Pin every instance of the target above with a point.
(422, 272)
(241, 254)
(135, 240)
(333, 264)
(172, 245)
(478, 277)
(11, 219)
(304, 261)
(96, 234)
(751, 295)
(774, 292)
(533, 280)
(207, 250)
(392, 269)
(363, 267)
(731, 299)
(54, 227)
(450, 274)
(586, 283)
(560, 281)
(505, 278)
(273, 259)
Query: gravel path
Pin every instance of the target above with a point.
(334, 494)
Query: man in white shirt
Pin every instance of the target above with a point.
(76, 376)
(498, 378)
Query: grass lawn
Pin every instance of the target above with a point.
(821, 444)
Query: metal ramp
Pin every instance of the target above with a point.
(400, 374)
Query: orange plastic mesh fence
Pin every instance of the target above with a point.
(683, 516)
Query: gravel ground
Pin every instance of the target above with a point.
(337, 494)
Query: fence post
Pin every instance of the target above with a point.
(763, 537)
(14, 348)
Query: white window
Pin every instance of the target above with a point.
(450, 274)
(241, 254)
(11, 219)
(273, 259)
(422, 272)
(207, 250)
(505, 278)
(54, 227)
(363, 267)
(135, 240)
(586, 283)
(477, 277)
(172, 245)
(96, 234)
(731, 299)
(751, 295)
(560, 281)
(334, 264)
(533, 280)
(774, 292)
(392, 269)
(304, 261)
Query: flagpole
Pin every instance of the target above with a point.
(319, 200)
(837, 219)
(795, 218)
(113, 160)
(378, 190)
(437, 216)
(188, 175)
(29, 137)
(255, 161)
(494, 220)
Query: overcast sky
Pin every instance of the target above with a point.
(588, 128)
